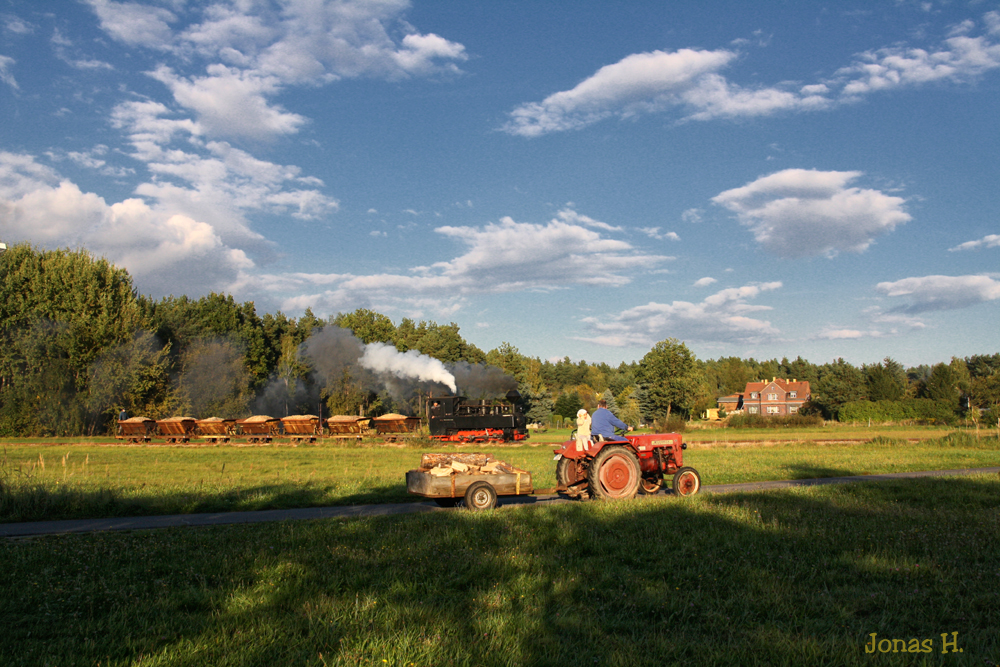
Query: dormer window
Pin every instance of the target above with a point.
(793, 394)
(753, 394)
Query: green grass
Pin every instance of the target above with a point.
(87, 481)
(791, 577)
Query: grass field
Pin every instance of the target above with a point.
(791, 577)
(63, 481)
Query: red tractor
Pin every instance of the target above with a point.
(618, 469)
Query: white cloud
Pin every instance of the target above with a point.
(705, 282)
(692, 215)
(507, 256)
(689, 82)
(251, 52)
(831, 333)
(135, 24)
(231, 102)
(929, 293)
(988, 241)
(640, 82)
(6, 71)
(722, 316)
(654, 233)
(158, 248)
(800, 213)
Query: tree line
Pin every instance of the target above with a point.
(78, 344)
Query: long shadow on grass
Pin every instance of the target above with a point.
(37, 503)
(789, 577)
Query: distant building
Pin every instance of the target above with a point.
(777, 397)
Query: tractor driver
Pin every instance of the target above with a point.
(603, 423)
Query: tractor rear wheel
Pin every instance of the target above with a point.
(687, 482)
(614, 473)
(480, 496)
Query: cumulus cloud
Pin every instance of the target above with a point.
(655, 233)
(6, 71)
(158, 248)
(721, 317)
(506, 256)
(689, 83)
(800, 213)
(988, 241)
(705, 282)
(930, 293)
(214, 180)
(252, 52)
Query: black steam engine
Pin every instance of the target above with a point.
(457, 419)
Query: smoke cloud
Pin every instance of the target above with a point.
(339, 359)
(384, 358)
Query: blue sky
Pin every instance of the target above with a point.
(584, 179)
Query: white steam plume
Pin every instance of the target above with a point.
(381, 357)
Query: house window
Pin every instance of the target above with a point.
(792, 409)
(772, 397)
(793, 394)
(753, 410)
(753, 394)
(772, 409)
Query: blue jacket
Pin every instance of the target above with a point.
(603, 422)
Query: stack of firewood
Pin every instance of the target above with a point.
(442, 465)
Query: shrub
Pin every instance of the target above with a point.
(674, 424)
(921, 410)
(785, 421)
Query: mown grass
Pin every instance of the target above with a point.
(791, 577)
(89, 482)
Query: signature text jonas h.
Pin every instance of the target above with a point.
(876, 645)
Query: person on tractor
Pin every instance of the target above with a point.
(603, 423)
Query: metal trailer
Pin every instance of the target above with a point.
(177, 429)
(476, 492)
(136, 429)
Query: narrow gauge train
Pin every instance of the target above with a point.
(457, 419)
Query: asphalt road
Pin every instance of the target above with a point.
(33, 528)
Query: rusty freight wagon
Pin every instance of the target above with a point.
(259, 428)
(302, 427)
(347, 426)
(392, 424)
(177, 429)
(136, 429)
(476, 480)
(216, 429)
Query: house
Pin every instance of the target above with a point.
(777, 397)
(731, 403)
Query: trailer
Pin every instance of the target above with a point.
(475, 480)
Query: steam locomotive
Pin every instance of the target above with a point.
(457, 419)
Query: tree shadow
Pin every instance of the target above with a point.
(797, 576)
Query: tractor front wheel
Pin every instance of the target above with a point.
(614, 473)
(651, 485)
(687, 482)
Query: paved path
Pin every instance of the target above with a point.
(28, 529)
